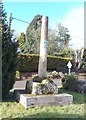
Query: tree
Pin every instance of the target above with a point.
(63, 36)
(59, 41)
(21, 41)
(52, 44)
(9, 54)
(33, 36)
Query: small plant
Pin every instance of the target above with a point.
(72, 83)
(17, 75)
(53, 74)
(74, 75)
(69, 82)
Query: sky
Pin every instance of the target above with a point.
(70, 14)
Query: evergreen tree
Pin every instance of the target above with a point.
(21, 41)
(9, 54)
(58, 41)
(33, 32)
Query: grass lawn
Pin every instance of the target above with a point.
(10, 109)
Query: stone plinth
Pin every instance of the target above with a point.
(28, 100)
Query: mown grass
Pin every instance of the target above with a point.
(10, 109)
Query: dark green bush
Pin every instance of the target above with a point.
(29, 62)
(70, 82)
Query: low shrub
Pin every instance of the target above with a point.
(69, 82)
(72, 83)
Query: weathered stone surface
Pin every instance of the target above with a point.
(36, 88)
(28, 100)
(45, 87)
(50, 86)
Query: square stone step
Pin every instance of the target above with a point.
(28, 100)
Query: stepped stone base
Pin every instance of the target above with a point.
(28, 100)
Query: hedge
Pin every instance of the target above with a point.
(29, 63)
(58, 63)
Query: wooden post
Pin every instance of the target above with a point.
(10, 19)
(42, 68)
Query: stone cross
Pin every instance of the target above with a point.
(42, 68)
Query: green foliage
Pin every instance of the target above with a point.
(59, 42)
(52, 43)
(57, 63)
(21, 41)
(78, 98)
(70, 82)
(56, 40)
(66, 52)
(33, 36)
(63, 36)
(9, 55)
(29, 62)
